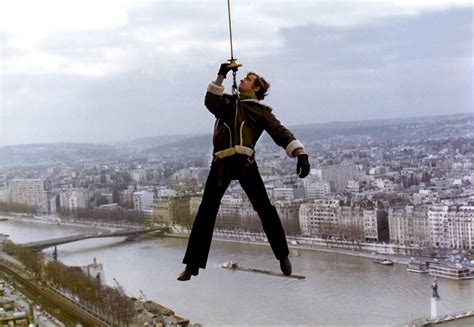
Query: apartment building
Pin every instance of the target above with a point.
(194, 203)
(437, 220)
(4, 194)
(338, 175)
(74, 198)
(351, 223)
(409, 225)
(460, 227)
(142, 200)
(173, 209)
(319, 217)
(400, 222)
(369, 217)
(317, 189)
(421, 229)
(30, 191)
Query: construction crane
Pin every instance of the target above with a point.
(119, 287)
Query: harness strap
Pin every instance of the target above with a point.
(238, 149)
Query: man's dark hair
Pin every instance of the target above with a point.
(262, 83)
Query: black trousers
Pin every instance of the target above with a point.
(237, 167)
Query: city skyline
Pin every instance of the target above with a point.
(362, 175)
(119, 70)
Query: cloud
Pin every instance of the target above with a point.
(395, 67)
(26, 25)
(143, 69)
(383, 41)
(40, 18)
(78, 37)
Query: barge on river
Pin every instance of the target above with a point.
(418, 266)
(451, 270)
(384, 261)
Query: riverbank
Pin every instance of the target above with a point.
(397, 253)
(219, 237)
(400, 254)
(67, 222)
(396, 259)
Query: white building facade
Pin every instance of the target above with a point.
(460, 227)
(400, 224)
(142, 200)
(437, 220)
(74, 198)
(339, 175)
(369, 217)
(317, 189)
(452, 226)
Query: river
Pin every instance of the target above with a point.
(338, 289)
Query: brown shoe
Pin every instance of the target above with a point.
(285, 266)
(188, 272)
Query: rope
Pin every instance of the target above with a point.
(234, 85)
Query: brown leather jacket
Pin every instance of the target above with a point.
(239, 125)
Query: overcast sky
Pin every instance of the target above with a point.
(102, 70)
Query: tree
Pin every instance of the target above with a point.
(100, 200)
(115, 196)
(426, 177)
(16, 207)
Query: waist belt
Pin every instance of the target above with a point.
(238, 149)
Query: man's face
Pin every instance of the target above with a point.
(247, 84)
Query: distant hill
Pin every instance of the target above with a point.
(159, 140)
(388, 130)
(200, 143)
(53, 153)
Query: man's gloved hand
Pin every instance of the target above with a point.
(225, 68)
(302, 166)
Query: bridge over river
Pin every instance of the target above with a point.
(40, 245)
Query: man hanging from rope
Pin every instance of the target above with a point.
(240, 120)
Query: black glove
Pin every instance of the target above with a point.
(302, 166)
(225, 68)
